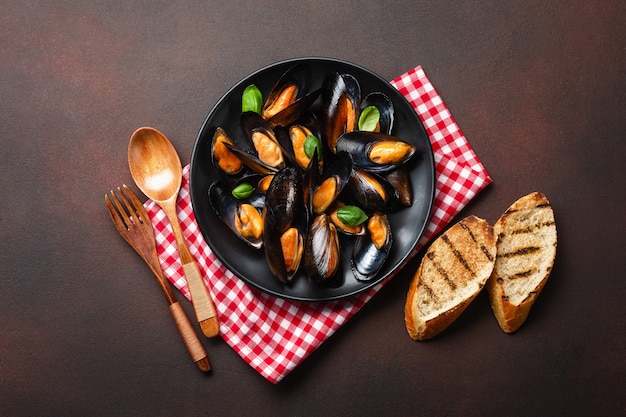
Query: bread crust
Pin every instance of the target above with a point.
(527, 223)
(452, 273)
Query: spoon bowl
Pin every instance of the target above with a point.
(157, 171)
(154, 164)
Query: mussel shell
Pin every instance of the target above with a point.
(340, 169)
(308, 124)
(298, 75)
(295, 111)
(226, 206)
(338, 88)
(341, 227)
(370, 191)
(284, 197)
(367, 259)
(284, 209)
(360, 143)
(252, 161)
(252, 123)
(224, 161)
(385, 107)
(400, 180)
(322, 256)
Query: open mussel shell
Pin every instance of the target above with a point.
(375, 151)
(291, 86)
(239, 215)
(293, 139)
(322, 254)
(385, 109)
(251, 160)
(285, 222)
(290, 98)
(371, 249)
(340, 107)
(224, 160)
(332, 182)
(262, 139)
(340, 225)
(294, 111)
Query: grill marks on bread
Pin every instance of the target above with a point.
(527, 242)
(453, 271)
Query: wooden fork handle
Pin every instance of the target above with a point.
(195, 348)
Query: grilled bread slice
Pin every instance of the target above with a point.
(526, 244)
(452, 273)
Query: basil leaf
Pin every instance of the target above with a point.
(351, 215)
(312, 144)
(252, 99)
(243, 190)
(369, 118)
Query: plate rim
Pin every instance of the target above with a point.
(401, 262)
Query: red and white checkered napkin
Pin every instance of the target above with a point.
(274, 335)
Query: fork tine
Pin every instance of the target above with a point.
(130, 209)
(115, 211)
(136, 204)
(125, 214)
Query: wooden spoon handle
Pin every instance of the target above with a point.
(200, 296)
(195, 348)
(201, 299)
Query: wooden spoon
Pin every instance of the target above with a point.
(157, 171)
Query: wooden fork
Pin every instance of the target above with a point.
(132, 221)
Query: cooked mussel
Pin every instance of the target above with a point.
(370, 191)
(263, 139)
(371, 249)
(374, 151)
(292, 85)
(332, 182)
(400, 180)
(322, 253)
(224, 160)
(285, 223)
(336, 215)
(243, 218)
(340, 107)
(384, 106)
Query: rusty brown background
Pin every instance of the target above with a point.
(537, 87)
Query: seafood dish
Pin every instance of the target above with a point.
(306, 170)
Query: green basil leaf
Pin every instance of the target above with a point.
(351, 215)
(312, 144)
(243, 190)
(369, 118)
(252, 99)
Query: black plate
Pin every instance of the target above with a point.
(249, 264)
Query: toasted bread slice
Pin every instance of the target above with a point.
(452, 273)
(526, 234)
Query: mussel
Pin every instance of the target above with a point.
(224, 160)
(322, 253)
(340, 107)
(374, 151)
(371, 249)
(289, 98)
(370, 191)
(292, 85)
(285, 221)
(332, 182)
(263, 139)
(384, 105)
(243, 218)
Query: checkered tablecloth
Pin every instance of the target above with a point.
(274, 335)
